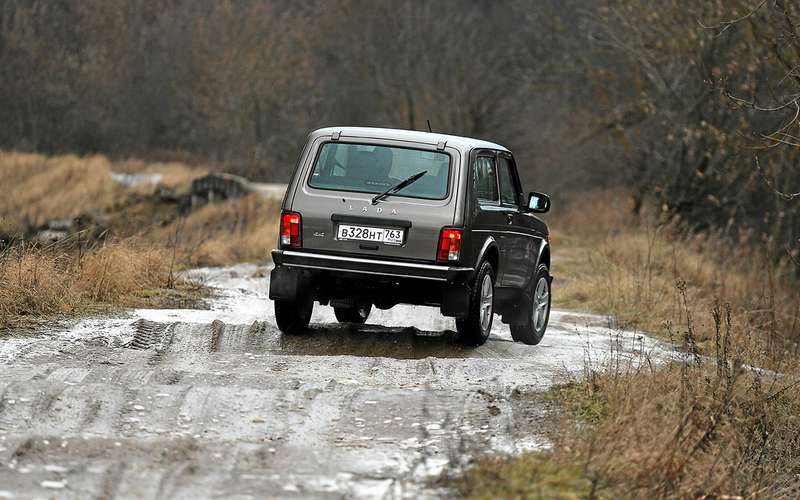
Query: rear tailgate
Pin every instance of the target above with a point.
(416, 221)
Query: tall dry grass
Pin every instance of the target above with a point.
(40, 282)
(40, 188)
(244, 229)
(642, 272)
(709, 426)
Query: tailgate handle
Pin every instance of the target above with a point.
(366, 221)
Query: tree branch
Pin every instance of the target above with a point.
(723, 26)
(785, 196)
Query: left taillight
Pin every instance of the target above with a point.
(449, 245)
(291, 230)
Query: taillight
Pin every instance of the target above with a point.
(291, 226)
(449, 245)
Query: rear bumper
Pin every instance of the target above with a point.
(366, 266)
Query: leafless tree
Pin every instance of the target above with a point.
(701, 88)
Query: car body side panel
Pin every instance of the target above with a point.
(288, 197)
(523, 251)
(484, 221)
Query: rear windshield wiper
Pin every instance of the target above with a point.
(397, 187)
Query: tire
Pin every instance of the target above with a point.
(476, 327)
(293, 316)
(539, 291)
(357, 314)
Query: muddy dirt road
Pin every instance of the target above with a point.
(216, 403)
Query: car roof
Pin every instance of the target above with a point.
(394, 134)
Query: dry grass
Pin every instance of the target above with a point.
(114, 271)
(41, 188)
(636, 270)
(64, 187)
(239, 230)
(690, 431)
(706, 428)
(135, 267)
(37, 283)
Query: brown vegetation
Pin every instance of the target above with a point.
(135, 260)
(637, 271)
(38, 283)
(39, 188)
(706, 427)
(703, 108)
(240, 230)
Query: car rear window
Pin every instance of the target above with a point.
(370, 168)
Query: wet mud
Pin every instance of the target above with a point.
(208, 403)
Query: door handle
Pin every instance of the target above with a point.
(510, 218)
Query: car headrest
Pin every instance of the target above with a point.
(383, 161)
(361, 164)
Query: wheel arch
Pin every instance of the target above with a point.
(544, 255)
(489, 252)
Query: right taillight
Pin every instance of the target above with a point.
(449, 245)
(291, 226)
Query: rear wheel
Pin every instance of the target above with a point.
(293, 316)
(476, 327)
(357, 313)
(532, 331)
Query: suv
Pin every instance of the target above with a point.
(377, 217)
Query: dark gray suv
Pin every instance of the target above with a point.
(378, 217)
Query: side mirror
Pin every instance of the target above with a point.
(538, 202)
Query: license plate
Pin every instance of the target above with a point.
(365, 233)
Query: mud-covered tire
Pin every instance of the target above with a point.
(357, 313)
(293, 316)
(476, 327)
(538, 315)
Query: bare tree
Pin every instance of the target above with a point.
(689, 144)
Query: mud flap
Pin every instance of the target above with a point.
(285, 283)
(455, 301)
(513, 305)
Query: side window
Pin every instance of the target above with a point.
(486, 179)
(508, 190)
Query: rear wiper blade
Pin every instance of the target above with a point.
(397, 187)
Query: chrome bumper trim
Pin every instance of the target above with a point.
(337, 258)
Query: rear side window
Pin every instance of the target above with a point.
(369, 168)
(486, 179)
(508, 191)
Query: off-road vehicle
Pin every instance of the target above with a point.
(378, 217)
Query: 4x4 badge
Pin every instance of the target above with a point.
(378, 210)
